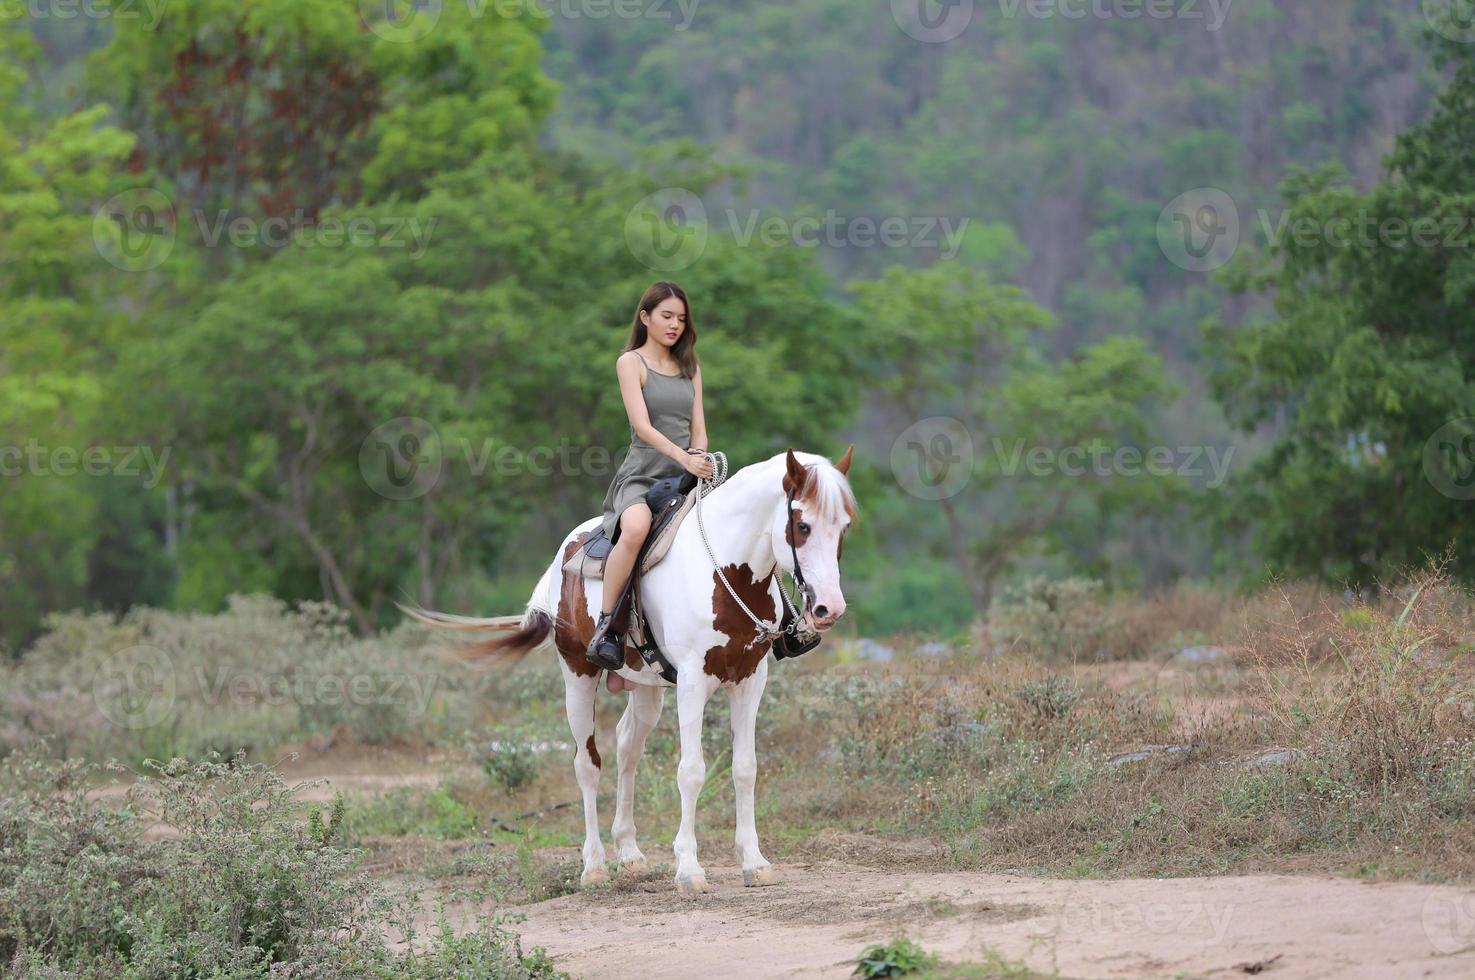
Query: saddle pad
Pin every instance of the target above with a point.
(588, 561)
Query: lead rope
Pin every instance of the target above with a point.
(766, 630)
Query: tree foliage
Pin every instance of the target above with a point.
(1370, 357)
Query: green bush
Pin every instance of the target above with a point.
(159, 684)
(894, 959)
(511, 761)
(237, 881)
(1060, 620)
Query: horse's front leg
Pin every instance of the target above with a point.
(639, 719)
(693, 688)
(578, 701)
(744, 700)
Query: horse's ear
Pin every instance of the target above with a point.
(844, 465)
(794, 474)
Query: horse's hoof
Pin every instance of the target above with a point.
(689, 887)
(639, 866)
(759, 876)
(593, 876)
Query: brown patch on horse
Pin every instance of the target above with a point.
(593, 752)
(575, 628)
(793, 533)
(729, 661)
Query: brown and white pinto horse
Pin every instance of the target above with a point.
(704, 633)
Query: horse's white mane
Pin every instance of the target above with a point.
(829, 487)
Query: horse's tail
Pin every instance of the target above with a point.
(524, 632)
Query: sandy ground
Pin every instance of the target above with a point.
(815, 921)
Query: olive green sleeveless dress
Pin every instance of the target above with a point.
(669, 400)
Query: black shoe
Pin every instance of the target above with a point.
(606, 647)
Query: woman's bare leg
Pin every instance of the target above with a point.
(634, 526)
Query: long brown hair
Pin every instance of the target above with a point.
(685, 348)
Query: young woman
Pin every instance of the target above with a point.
(661, 385)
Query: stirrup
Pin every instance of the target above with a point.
(606, 647)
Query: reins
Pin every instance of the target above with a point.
(804, 591)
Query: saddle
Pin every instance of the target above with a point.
(669, 500)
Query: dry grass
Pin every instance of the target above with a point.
(1332, 737)
(1323, 735)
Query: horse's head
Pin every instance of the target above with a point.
(818, 507)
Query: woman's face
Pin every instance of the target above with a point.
(667, 321)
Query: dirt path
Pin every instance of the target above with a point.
(819, 917)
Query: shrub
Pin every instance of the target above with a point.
(235, 882)
(256, 676)
(1063, 620)
(510, 761)
(894, 959)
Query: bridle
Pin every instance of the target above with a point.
(806, 591)
(796, 631)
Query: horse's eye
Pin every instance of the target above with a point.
(803, 528)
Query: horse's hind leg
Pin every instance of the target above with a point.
(640, 717)
(744, 699)
(578, 700)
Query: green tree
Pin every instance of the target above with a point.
(954, 343)
(1369, 360)
(59, 319)
(279, 109)
(501, 334)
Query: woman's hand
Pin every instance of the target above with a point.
(696, 464)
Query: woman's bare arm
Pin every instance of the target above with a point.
(698, 417)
